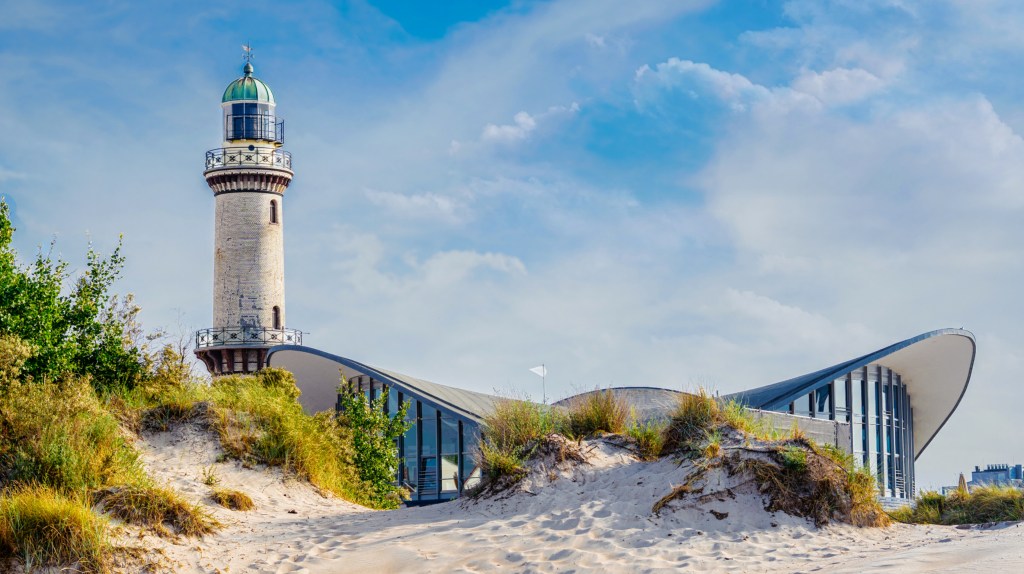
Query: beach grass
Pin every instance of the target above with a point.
(233, 499)
(981, 504)
(159, 508)
(598, 411)
(649, 437)
(41, 527)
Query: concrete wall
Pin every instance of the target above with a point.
(837, 433)
(248, 269)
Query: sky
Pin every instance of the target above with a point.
(673, 193)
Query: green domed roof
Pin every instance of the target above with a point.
(248, 88)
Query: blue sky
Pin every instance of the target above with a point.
(670, 193)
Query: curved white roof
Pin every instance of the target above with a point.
(935, 366)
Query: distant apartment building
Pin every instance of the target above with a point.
(994, 475)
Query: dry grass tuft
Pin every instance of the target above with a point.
(159, 508)
(42, 528)
(820, 483)
(599, 411)
(233, 499)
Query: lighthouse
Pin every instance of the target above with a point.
(248, 176)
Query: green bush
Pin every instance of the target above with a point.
(44, 528)
(374, 436)
(76, 327)
(597, 411)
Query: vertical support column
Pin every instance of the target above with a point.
(401, 446)
(437, 455)
(890, 443)
(459, 462)
(419, 450)
(863, 415)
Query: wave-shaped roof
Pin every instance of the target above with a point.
(318, 373)
(935, 366)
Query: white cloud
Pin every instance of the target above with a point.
(699, 79)
(522, 126)
(839, 86)
(422, 205)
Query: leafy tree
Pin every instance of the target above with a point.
(374, 434)
(75, 325)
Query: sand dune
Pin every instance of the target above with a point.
(593, 517)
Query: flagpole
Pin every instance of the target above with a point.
(543, 383)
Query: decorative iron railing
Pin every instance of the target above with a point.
(245, 157)
(253, 127)
(246, 336)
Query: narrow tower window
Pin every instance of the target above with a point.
(273, 211)
(277, 317)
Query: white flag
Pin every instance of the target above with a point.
(540, 371)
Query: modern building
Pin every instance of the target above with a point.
(248, 175)
(437, 454)
(997, 474)
(884, 407)
(895, 400)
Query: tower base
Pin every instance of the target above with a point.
(233, 360)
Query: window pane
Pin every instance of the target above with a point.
(802, 406)
(449, 436)
(470, 471)
(449, 472)
(429, 433)
(428, 474)
(392, 401)
(822, 397)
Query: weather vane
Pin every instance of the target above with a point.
(247, 48)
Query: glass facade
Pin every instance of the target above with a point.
(874, 400)
(437, 455)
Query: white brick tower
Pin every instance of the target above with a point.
(248, 177)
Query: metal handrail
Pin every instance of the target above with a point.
(246, 336)
(245, 157)
(253, 127)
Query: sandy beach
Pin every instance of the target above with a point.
(591, 517)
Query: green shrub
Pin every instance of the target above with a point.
(374, 436)
(158, 507)
(233, 499)
(42, 527)
(76, 327)
(597, 411)
(649, 437)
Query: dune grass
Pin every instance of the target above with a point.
(511, 433)
(59, 435)
(989, 503)
(233, 499)
(40, 527)
(259, 420)
(649, 438)
(159, 508)
(800, 477)
(599, 411)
